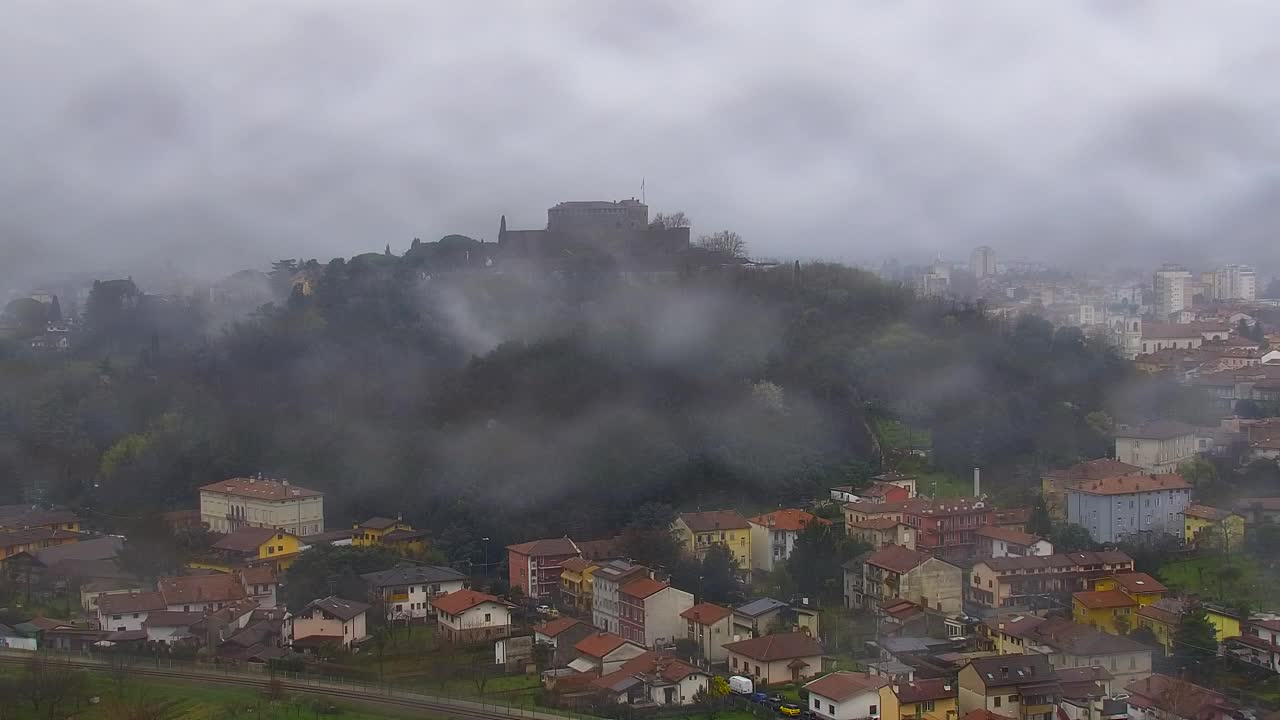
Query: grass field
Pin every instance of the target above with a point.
(191, 701)
(1204, 577)
(897, 436)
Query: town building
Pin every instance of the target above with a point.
(1158, 447)
(1171, 283)
(231, 504)
(262, 583)
(534, 566)
(709, 626)
(595, 228)
(1258, 644)
(406, 591)
(15, 542)
(603, 653)
(895, 572)
(982, 262)
(942, 527)
(653, 679)
(649, 612)
(1114, 508)
(199, 593)
(605, 583)
(1235, 282)
(878, 532)
(464, 617)
(778, 658)
(331, 621)
(576, 577)
(258, 545)
(773, 535)
(27, 517)
(1112, 604)
(1030, 582)
(396, 534)
(921, 698)
(1054, 484)
(1209, 527)
(1161, 697)
(1163, 617)
(1012, 686)
(1069, 645)
(996, 542)
(848, 695)
(126, 612)
(700, 531)
(1257, 510)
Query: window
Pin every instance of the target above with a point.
(817, 704)
(115, 617)
(927, 706)
(1133, 662)
(831, 709)
(735, 662)
(271, 550)
(873, 710)
(996, 701)
(135, 615)
(757, 670)
(1013, 698)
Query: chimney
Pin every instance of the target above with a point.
(977, 482)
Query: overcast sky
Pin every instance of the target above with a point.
(222, 135)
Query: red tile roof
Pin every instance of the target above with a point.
(713, 520)
(789, 519)
(1204, 512)
(1104, 599)
(264, 574)
(897, 558)
(599, 645)
(1096, 470)
(642, 587)
(247, 539)
(130, 603)
(669, 669)
(782, 646)
(876, 524)
(844, 684)
(706, 613)
(1137, 582)
(555, 627)
(1007, 535)
(922, 689)
(1126, 484)
(577, 565)
(546, 547)
(459, 601)
(191, 589)
(265, 489)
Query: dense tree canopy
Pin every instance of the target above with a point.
(475, 402)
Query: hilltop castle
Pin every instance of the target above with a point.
(596, 230)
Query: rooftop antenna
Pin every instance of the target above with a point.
(642, 195)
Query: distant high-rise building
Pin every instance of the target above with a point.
(1171, 284)
(1235, 282)
(982, 262)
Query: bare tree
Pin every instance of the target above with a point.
(670, 221)
(51, 686)
(725, 242)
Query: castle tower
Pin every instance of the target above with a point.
(502, 229)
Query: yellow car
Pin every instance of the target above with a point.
(789, 710)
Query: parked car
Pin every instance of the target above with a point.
(760, 698)
(740, 685)
(789, 710)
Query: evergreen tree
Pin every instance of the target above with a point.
(1040, 523)
(55, 310)
(1195, 641)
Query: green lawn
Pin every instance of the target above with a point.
(1203, 577)
(942, 485)
(897, 436)
(192, 701)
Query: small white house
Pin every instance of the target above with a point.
(331, 621)
(11, 640)
(407, 590)
(468, 616)
(846, 695)
(127, 612)
(168, 628)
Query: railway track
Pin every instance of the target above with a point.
(407, 701)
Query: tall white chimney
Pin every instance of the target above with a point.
(977, 482)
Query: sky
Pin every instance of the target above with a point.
(216, 136)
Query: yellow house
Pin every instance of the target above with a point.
(577, 583)
(699, 531)
(1207, 526)
(27, 517)
(1162, 620)
(1140, 587)
(1110, 611)
(254, 545)
(924, 698)
(396, 534)
(37, 538)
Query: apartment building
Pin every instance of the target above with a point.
(231, 504)
(1037, 582)
(535, 566)
(1113, 508)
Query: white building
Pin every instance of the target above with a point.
(331, 621)
(1171, 283)
(604, 592)
(127, 612)
(468, 616)
(649, 612)
(847, 695)
(982, 262)
(773, 535)
(1111, 508)
(1235, 282)
(1158, 447)
(257, 502)
(407, 590)
(199, 593)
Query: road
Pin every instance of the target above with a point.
(386, 697)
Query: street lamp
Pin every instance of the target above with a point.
(485, 540)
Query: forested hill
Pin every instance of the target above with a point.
(487, 404)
